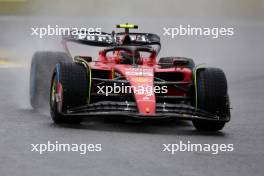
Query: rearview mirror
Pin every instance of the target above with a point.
(86, 58)
(180, 62)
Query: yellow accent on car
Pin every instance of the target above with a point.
(128, 26)
(113, 73)
(200, 66)
(89, 73)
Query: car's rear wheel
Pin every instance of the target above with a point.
(69, 88)
(42, 65)
(212, 96)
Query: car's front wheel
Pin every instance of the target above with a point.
(212, 96)
(69, 88)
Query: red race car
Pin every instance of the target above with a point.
(127, 81)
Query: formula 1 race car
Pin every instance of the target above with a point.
(127, 81)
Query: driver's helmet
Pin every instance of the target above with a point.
(126, 57)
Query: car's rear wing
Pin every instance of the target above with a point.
(106, 39)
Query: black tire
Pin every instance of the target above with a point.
(212, 96)
(74, 81)
(167, 62)
(42, 65)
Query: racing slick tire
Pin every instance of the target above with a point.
(212, 96)
(69, 88)
(42, 65)
(167, 62)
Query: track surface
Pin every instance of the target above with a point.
(136, 149)
(131, 149)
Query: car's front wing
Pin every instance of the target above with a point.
(129, 109)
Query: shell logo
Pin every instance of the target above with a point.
(140, 80)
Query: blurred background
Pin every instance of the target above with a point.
(134, 149)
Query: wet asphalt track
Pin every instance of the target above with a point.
(131, 149)
(136, 149)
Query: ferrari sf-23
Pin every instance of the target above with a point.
(160, 88)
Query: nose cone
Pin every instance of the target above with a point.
(143, 89)
(141, 81)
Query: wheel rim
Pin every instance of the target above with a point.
(53, 93)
